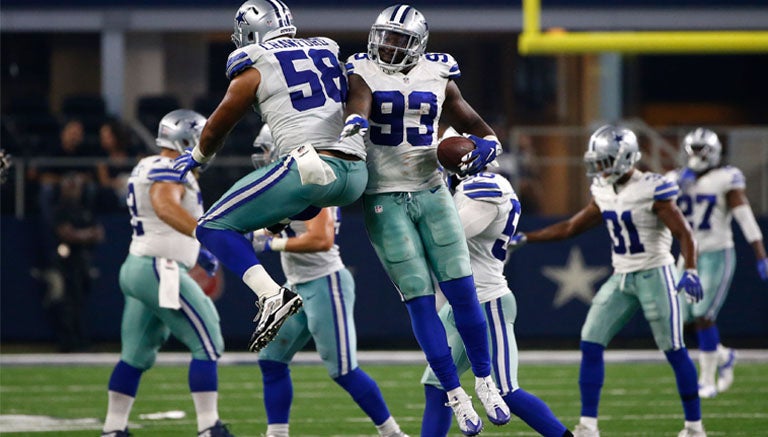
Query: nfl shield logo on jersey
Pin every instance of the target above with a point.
(378, 209)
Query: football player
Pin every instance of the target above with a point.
(489, 210)
(298, 86)
(401, 92)
(711, 196)
(160, 296)
(313, 267)
(639, 211)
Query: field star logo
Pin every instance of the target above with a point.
(574, 281)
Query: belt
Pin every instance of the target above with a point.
(340, 155)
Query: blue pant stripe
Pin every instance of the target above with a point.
(499, 344)
(722, 287)
(339, 321)
(200, 329)
(674, 308)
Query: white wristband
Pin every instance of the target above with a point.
(198, 156)
(277, 244)
(746, 220)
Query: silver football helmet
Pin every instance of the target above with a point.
(612, 152)
(261, 20)
(180, 129)
(703, 149)
(398, 38)
(264, 144)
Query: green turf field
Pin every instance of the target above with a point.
(638, 399)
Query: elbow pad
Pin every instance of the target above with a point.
(745, 218)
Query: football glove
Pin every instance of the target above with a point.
(517, 241)
(353, 125)
(261, 242)
(691, 285)
(207, 261)
(485, 153)
(185, 162)
(762, 269)
(279, 226)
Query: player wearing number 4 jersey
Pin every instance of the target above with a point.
(711, 196)
(397, 95)
(298, 86)
(639, 210)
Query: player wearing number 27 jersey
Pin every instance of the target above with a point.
(397, 95)
(639, 210)
(298, 86)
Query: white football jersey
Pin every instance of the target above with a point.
(304, 267)
(703, 202)
(640, 238)
(303, 87)
(489, 210)
(151, 235)
(402, 140)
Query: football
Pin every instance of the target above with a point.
(451, 150)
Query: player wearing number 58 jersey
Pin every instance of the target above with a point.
(397, 95)
(639, 210)
(711, 196)
(298, 86)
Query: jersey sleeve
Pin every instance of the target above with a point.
(734, 179)
(354, 63)
(446, 65)
(241, 59)
(664, 188)
(162, 171)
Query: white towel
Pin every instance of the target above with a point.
(168, 270)
(312, 169)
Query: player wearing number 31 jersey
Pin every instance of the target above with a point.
(639, 210)
(397, 95)
(298, 86)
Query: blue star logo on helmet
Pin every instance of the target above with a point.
(618, 138)
(241, 18)
(192, 124)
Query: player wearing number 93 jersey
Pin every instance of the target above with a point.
(397, 95)
(639, 210)
(298, 86)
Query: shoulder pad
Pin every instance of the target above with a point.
(663, 188)
(162, 170)
(355, 60)
(445, 64)
(735, 177)
(241, 59)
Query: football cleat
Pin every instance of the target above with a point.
(495, 407)
(725, 371)
(707, 391)
(123, 433)
(217, 430)
(583, 431)
(690, 432)
(395, 434)
(469, 422)
(273, 312)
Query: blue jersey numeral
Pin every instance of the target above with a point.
(138, 228)
(686, 204)
(325, 79)
(499, 249)
(618, 224)
(388, 116)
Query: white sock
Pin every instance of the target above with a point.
(723, 353)
(707, 368)
(118, 410)
(206, 408)
(695, 426)
(455, 392)
(277, 430)
(388, 427)
(589, 422)
(258, 280)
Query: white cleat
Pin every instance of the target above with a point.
(469, 422)
(725, 372)
(707, 391)
(495, 407)
(273, 312)
(689, 432)
(583, 431)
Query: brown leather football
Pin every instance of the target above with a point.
(451, 150)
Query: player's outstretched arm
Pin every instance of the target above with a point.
(589, 217)
(358, 107)
(742, 212)
(670, 214)
(319, 237)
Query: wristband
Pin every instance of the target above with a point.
(198, 156)
(278, 244)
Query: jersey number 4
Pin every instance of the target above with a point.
(310, 86)
(619, 224)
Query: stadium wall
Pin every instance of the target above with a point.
(550, 313)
